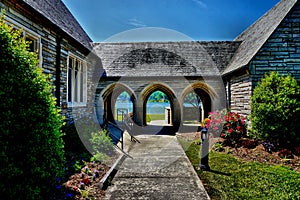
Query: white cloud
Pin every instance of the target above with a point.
(200, 3)
(136, 23)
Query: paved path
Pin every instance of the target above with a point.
(159, 170)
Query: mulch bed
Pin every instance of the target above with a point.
(259, 154)
(256, 153)
(84, 184)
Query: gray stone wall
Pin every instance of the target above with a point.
(281, 52)
(240, 93)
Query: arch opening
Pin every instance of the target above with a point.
(193, 111)
(172, 115)
(119, 102)
(158, 109)
(123, 107)
(197, 102)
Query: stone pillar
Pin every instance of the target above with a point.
(138, 112)
(176, 114)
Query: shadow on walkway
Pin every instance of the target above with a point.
(159, 169)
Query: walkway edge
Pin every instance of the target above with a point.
(104, 182)
(198, 180)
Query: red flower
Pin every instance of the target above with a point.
(76, 189)
(222, 135)
(238, 128)
(230, 130)
(243, 122)
(86, 181)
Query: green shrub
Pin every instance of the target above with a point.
(148, 119)
(32, 155)
(275, 108)
(71, 139)
(102, 145)
(78, 134)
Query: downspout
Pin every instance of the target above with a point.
(58, 70)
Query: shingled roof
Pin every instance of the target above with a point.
(257, 34)
(178, 58)
(57, 12)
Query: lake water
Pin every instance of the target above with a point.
(152, 107)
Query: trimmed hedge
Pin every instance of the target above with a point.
(32, 155)
(275, 110)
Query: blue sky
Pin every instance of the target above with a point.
(198, 19)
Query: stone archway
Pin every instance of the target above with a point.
(206, 94)
(109, 97)
(174, 103)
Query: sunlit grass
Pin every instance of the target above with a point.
(232, 178)
(154, 117)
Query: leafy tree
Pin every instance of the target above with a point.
(158, 96)
(193, 99)
(275, 109)
(32, 155)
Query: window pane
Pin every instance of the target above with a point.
(32, 44)
(76, 81)
(81, 83)
(70, 75)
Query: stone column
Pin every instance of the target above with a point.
(138, 112)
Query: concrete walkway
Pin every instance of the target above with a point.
(159, 170)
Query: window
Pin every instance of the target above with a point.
(30, 36)
(76, 81)
(33, 46)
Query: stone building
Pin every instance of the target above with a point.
(62, 46)
(272, 43)
(88, 77)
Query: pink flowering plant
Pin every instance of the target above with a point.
(226, 124)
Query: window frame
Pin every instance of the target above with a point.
(27, 33)
(78, 81)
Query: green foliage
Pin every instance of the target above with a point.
(148, 118)
(32, 155)
(71, 139)
(78, 134)
(218, 147)
(158, 96)
(275, 109)
(102, 145)
(233, 178)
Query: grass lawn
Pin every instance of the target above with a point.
(156, 116)
(152, 117)
(232, 178)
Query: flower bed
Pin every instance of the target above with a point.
(226, 124)
(83, 180)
